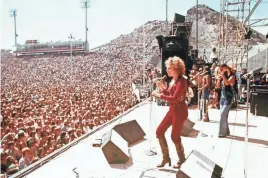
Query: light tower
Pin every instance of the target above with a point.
(13, 13)
(71, 52)
(197, 27)
(167, 17)
(86, 5)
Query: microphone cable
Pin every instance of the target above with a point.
(231, 141)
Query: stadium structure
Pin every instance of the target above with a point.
(33, 47)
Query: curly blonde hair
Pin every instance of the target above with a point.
(176, 63)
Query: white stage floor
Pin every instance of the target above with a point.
(226, 152)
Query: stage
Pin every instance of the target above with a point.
(84, 161)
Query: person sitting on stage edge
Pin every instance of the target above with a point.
(175, 94)
(228, 81)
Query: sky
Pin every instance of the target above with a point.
(55, 20)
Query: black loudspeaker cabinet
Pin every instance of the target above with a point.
(178, 18)
(180, 50)
(115, 148)
(202, 166)
(259, 103)
(131, 131)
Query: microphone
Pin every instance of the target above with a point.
(160, 79)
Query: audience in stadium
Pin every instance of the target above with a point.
(49, 101)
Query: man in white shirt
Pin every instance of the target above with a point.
(214, 56)
(189, 96)
(26, 158)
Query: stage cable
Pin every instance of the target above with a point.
(231, 141)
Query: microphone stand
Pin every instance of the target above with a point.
(246, 134)
(200, 134)
(249, 76)
(151, 151)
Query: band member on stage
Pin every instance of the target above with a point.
(205, 93)
(175, 94)
(193, 72)
(228, 81)
(217, 91)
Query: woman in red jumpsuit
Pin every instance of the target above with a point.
(175, 94)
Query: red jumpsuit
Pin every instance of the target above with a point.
(178, 110)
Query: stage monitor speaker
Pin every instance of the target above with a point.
(187, 128)
(181, 174)
(202, 166)
(115, 148)
(131, 131)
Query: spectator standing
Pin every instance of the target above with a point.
(214, 56)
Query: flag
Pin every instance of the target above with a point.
(136, 91)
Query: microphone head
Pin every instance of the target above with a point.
(164, 77)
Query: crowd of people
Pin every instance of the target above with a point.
(47, 101)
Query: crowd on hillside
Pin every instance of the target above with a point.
(49, 101)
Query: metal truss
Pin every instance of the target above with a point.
(232, 44)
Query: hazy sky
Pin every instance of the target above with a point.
(54, 20)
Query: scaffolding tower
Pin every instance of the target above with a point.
(232, 43)
(234, 38)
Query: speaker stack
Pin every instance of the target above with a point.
(171, 46)
(259, 103)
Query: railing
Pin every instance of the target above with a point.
(41, 162)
